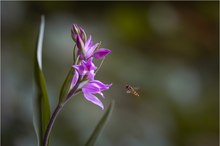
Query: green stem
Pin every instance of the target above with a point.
(57, 111)
(51, 123)
(100, 65)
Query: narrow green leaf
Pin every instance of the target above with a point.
(99, 128)
(66, 85)
(41, 101)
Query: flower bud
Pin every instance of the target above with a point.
(82, 34)
(74, 32)
(77, 30)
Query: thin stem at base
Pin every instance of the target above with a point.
(51, 123)
(57, 111)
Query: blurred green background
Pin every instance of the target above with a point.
(170, 50)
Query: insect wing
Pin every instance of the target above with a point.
(136, 88)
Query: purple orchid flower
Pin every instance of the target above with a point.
(89, 49)
(86, 68)
(93, 86)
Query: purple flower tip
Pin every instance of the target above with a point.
(77, 30)
(102, 52)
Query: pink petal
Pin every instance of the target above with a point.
(88, 44)
(80, 69)
(91, 50)
(90, 65)
(90, 88)
(91, 75)
(102, 52)
(92, 98)
(75, 79)
(101, 85)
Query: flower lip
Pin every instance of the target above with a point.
(92, 98)
(86, 68)
(94, 87)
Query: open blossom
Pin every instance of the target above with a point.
(87, 68)
(91, 50)
(87, 48)
(94, 87)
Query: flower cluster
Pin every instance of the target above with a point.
(86, 51)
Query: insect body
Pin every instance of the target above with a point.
(131, 90)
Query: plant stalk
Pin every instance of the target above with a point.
(51, 123)
(57, 111)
